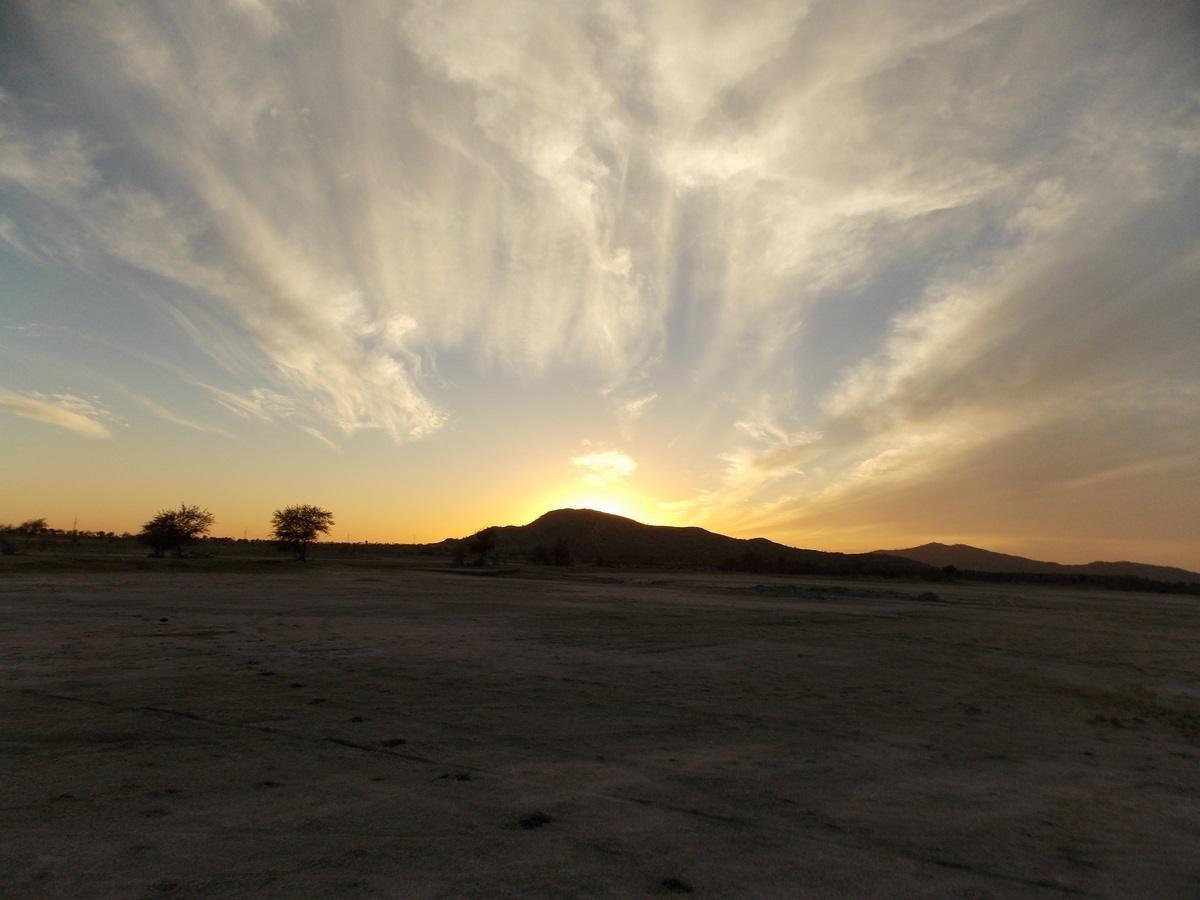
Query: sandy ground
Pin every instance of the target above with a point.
(340, 731)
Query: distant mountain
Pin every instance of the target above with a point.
(974, 559)
(594, 537)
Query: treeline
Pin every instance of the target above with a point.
(483, 548)
(1084, 579)
(878, 565)
(36, 528)
(294, 528)
(819, 563)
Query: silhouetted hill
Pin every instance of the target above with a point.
(974, 559)
(587, 536)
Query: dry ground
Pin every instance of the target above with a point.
(343, 731)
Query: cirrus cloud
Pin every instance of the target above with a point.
(83, 415)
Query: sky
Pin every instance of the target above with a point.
(848, 275)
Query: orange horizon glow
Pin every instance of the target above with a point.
(628, 504)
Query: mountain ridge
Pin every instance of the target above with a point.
(969, 558)
(590, 536)
(596, 537)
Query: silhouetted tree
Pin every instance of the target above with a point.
(748, 561)
(556, 554)
(482, 544)
(174, 529)
(296, 527)
(33, 527)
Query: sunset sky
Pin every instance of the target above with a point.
(848, 275)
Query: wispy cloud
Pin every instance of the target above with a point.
(1017, 390)
(318, 435)
(27, 329)
(83, 415)
(257, 403)
(533, 185)
(168, 415)
(45, 160)
(10, 233)
(632, 410)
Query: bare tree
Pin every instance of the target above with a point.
(296, 527)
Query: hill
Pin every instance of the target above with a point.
(975, 559)
(584, 535)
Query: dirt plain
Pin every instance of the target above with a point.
(343, 731)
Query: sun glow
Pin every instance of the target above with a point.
(604, 503)
(616, 502)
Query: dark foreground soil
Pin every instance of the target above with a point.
(348, 733)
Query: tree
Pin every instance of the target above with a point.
(482, 544)
(556, 554)
(33, 527)
(298, 526)
(174, 529)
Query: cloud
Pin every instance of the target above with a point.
(238, 179)
(630, 410)
(1117, 492)
(317, 434)
(168, 415)
(604, 467)
(257, 403)
(10, 233)
(85, 416)
(27, 329)
(536, 187)
(1052, 383)
(45, 160)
